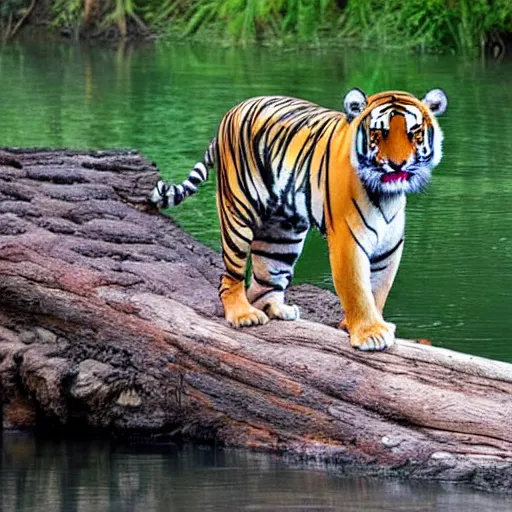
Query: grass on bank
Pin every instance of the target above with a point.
(458, 26)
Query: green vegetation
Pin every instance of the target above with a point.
(462, 26)
(246, 20)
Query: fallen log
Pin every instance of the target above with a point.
(110, 320)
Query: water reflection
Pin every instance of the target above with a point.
(82, 476)
(455, 280)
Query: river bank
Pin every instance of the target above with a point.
(438, 26)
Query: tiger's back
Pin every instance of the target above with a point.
(272, 151)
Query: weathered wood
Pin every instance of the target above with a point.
(110, 319)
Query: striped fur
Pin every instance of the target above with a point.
(284, 165)
(165, 195)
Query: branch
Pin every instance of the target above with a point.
(22, 20)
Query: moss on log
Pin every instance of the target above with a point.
(110, 320)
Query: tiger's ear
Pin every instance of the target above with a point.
(436, 101)
(354, 103)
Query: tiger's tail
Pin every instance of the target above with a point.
(165, 195)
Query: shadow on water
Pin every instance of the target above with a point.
(101, 476)
(166, 100)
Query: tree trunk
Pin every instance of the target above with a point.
(110, 320)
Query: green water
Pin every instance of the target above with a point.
(454, 284)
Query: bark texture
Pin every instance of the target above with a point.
(109, 319)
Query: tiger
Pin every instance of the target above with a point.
(284, 165)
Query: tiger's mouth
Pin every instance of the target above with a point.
(391, 177)
(379, 180)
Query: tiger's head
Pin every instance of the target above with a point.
(397, 140)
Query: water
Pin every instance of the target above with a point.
(456, 274)
(100, 476)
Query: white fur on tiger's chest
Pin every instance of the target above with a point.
(390, 233)
(389, 217)
(378, 228)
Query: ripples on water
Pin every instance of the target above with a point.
(455, 279)
(101, 476)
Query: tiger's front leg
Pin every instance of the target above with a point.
(352, 279)
(383, 273)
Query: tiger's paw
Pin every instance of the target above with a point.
(378, 336)
(282, 311)
(246, 318)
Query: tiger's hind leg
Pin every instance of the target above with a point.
(274, 251)
(237, 309)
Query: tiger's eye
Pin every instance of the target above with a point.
(416, 136)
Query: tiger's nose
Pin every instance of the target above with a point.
(396, 167)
